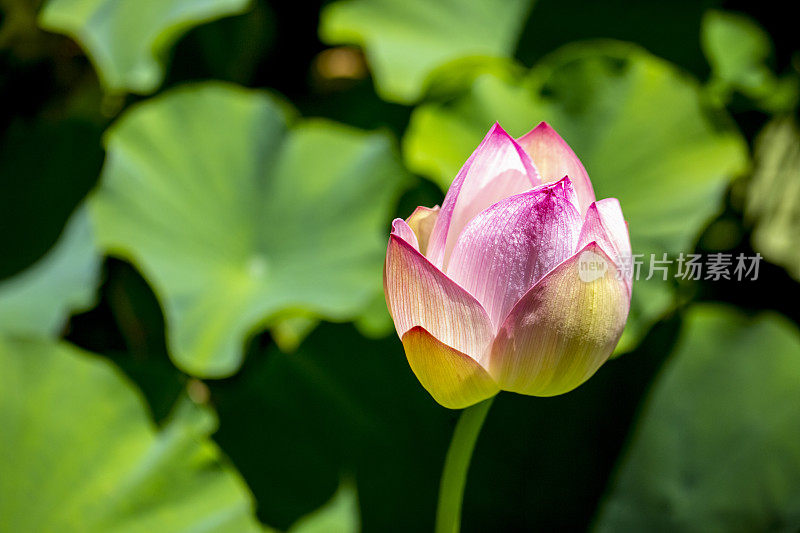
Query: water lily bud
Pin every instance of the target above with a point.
(517, 282)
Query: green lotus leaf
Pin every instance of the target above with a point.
(738, 50)
(39, 300)
(239, 219)
(406, 40)
(637, 123)
(127, 41)
(717, 446)
(84, 455)
(339, 515)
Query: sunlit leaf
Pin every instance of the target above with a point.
(639, 127)
(239, 220)
(128, 41)
(718, 444)
(406, 40)
(291, 329)
(39, 300)
(82, 454)
(737, 50)
(339, 515)
(773, 195)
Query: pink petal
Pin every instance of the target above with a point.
(563, 329)
(454, 379)
(605, 225)
(421, 222)
(419, 294)
(402, 229)
(497, 169)
(554, 159)
(508, 247)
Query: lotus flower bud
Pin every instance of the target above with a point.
(517, 282)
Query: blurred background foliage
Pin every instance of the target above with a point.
(196, 198)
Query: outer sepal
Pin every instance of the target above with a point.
(564, 328)
(454, 379)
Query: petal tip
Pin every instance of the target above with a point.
(609, 200)
(402, 235)
(397, 225)
(542, 129)
(563, 188)
(497, 131)
(562, 184)
(594, 247)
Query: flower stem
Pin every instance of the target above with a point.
(456, 465)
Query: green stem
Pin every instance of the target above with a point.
(456, 465)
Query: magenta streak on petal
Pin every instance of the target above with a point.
(508, 247)
(605, 224)
(419, 294)
(497, 169)
(555, 159)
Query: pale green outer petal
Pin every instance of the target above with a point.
(563, 329)
(454, 379)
